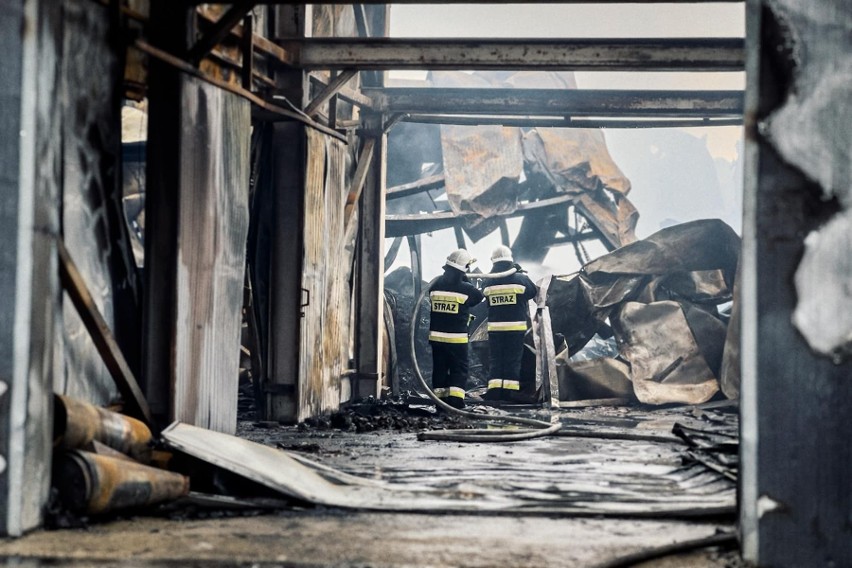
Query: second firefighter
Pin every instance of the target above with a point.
(508, 311)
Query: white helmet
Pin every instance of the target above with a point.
(460, 259)
(502, 253)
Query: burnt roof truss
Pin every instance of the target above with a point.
(219, 31)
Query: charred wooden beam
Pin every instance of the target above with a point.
(348, 94)
(415, 187)
(559, 102)
(418, 223)
(272, 111)
(219, 31)
(533, 122)
(260, 43)
(329, 91)
(587, 54)
(246, 47)
(102, 336)
(359, 178)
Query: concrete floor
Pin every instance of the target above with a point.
(545, 471)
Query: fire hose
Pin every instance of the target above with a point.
(539, 427)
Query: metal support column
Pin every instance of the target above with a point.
(369, 266)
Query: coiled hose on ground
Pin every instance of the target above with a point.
(540, 428)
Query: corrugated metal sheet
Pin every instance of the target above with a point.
(324, 342)
(213, 225)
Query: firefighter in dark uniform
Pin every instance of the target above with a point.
(450, 298)
(508, 311)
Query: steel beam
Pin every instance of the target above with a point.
(648, 54)
(559, 102)
(533, 122)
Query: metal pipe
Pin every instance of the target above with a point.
(77, 424)
(94, 484)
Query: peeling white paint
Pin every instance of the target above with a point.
(823, 314)
(3, 388)
(812, 130)
(766, 504)
(812, 134)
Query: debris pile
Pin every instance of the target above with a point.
(661, 298)
(490, 172)
(403, 414)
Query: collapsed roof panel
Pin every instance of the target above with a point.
(660, 296)
(484, 167)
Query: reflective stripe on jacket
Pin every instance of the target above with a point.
(508, 299)
(450, 300)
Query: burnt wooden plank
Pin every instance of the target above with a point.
(324, 336)
(102, 336)
(559, 102)
(274, 110)
(210, 263)
(586, 54)
(359, 178)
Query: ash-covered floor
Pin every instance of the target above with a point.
(614, 482)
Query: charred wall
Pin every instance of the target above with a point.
(93, 228)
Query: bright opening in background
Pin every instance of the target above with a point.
(677, 174)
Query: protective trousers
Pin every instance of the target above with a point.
(506, 350)
(449, 372)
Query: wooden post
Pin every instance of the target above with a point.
(369, 266)
(29, 283)
(796, 459)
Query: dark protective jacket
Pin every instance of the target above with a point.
(450, 299)
(507, 299)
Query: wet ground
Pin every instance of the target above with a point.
(583, 500)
